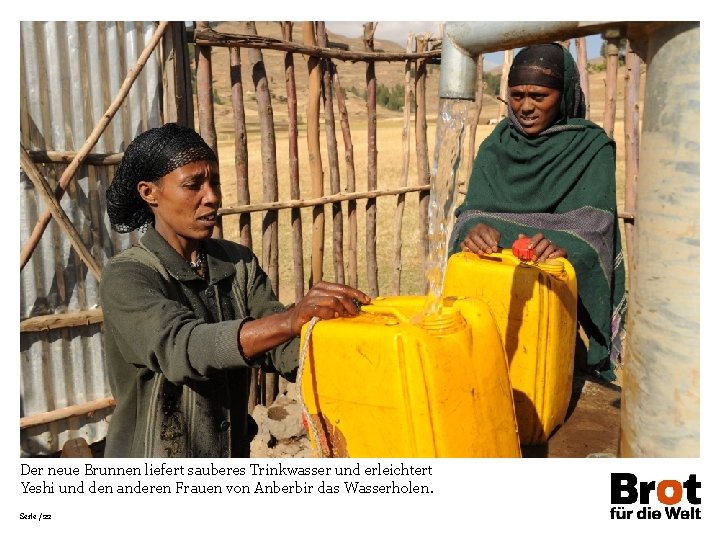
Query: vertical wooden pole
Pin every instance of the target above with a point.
(206, 110)
(371, 205)
(400, 207)
(421, 147)
(611, 55)
(314, 157)
(582, 65)
(332, 151)
(270, 182)
(350, 187)
(632, 146)
(295, 216)
(472, 131)
(177, 89)
(241, 151)
(507, 62)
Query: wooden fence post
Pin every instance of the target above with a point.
(314, 156)
(350, 187)
(241, 150)
(371, 205)
(611, 57)
(421, 148)
(293, 166)
(331, 141)
(206, 110)
(270, 183)
(177, 86)
(582, 65)
(400, 205)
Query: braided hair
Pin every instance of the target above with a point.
(149, 157)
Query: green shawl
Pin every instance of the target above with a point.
(560, 183)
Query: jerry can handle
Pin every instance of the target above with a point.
(385, 310)
(555, 267)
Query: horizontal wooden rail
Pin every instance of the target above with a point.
(58, 156)
(212, 38)
(81, 409)
(318, 201)
(61, 320)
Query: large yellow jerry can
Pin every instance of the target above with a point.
(535, 307)
(390, 383)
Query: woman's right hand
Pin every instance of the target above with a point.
(481, 239)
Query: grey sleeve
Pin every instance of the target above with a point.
(261, 301)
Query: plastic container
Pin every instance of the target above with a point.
(535, 307)
(390, 383)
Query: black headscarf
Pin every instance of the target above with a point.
(553, 66)
(149, 157)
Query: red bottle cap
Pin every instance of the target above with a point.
(521, 250)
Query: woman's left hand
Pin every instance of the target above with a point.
(544, 249)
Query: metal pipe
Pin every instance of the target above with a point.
(464, 41)
(660, 415)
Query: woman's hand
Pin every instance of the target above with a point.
(544, 249)
(481, 239)
(327, 301)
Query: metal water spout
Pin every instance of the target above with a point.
(464, 41)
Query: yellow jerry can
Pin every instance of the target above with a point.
(535, 307)
(392, 383)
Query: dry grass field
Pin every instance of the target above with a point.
(389, 158)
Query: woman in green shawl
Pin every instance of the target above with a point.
(548, 173)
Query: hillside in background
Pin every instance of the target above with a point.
(352, 78)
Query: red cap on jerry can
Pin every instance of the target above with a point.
(521, 250)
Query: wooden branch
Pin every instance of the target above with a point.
(475, 119)
(223, 39)
(294, 168)
(269, 162)
(611, 52)
(57, 212)
(242, 182)
(67, 412)
(421, 149)
(314, 156)
(177, 84)
(319, 201)
(400, 206)
(206, 107)
(68, 173)
(582, 65)
(332, 153)
(371, 204)
(507, 62)
(43, 323)
(57, 156)
(350, 172)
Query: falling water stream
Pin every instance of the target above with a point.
(452, 116)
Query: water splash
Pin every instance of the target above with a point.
(447, 157)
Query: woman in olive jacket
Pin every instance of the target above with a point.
(187, 315)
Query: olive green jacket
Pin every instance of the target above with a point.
(178, 378)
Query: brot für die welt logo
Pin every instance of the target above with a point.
(681, 499)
